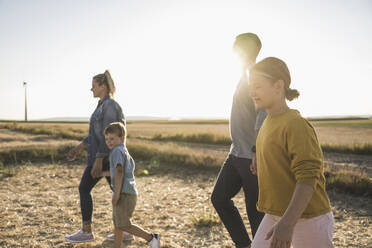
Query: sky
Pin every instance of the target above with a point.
(173, 58)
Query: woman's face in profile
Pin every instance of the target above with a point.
(262, 90)
(98, 90)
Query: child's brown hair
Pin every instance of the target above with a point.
(117, 128)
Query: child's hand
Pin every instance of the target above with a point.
(115, 199)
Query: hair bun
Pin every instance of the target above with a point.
(291, 94)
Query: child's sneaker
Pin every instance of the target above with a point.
(80, 237)
(155, 242)
(127, 237)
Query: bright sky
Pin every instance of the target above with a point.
(173, 58)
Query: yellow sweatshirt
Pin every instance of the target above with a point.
(288, 153)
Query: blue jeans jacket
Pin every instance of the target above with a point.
(107, 111)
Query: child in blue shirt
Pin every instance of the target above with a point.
(125, 193)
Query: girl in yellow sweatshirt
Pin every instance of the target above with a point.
(289, 167)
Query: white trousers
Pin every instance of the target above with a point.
(308, 233)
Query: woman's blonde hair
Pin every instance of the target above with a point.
(276, 69)
(105, 78)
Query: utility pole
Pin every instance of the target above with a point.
(25, 85)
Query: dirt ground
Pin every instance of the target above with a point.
(40, 205)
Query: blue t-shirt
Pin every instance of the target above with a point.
(120, 155)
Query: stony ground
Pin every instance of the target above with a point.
(40, 205)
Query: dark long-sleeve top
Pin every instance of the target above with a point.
(107, 111)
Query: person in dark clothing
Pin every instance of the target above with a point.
(235, 174)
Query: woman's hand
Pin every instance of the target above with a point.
(97, 168)
(281, 235)
(115, 199)
(74, 152)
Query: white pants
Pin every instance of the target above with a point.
(308, 233)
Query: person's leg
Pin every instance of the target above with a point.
(314, 232)
(137, 231)
(118, 237)
(86, 204)
(265, 226)
(250, 187)
(227, 186)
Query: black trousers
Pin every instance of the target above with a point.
(86, 185)
(234, 175)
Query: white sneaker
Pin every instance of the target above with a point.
(127, 237)
(80, 237)
(155, 242)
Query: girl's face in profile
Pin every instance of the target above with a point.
(98, 90)
(262, 90)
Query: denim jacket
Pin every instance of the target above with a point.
(107, 111)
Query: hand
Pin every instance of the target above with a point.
(253, 166)
(72, 153)
(281, 235)
(97, 168)
(115, 199)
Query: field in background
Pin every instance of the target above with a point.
(176, 165)
(340, 134)
(200, 143)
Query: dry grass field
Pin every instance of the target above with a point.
(329, 132)
(39, 198)
(40, 205)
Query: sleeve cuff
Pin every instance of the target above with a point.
(309, 181)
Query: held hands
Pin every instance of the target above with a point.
(115, 199)
(97, 168)
(281, 235)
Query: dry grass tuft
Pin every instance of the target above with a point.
(350, 182)
(362, 149)
(206, 220)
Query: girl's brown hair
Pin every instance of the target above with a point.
(106, 79)
(276, 69)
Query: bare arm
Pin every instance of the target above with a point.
(283, 230)
(260, 118)
(300, 199)
(253, 166)
(119, 174)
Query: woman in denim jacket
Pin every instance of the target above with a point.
(107, 111)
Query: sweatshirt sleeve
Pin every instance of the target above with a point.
(305, 153)
(86, 140)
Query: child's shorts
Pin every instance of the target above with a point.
(123, 211)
